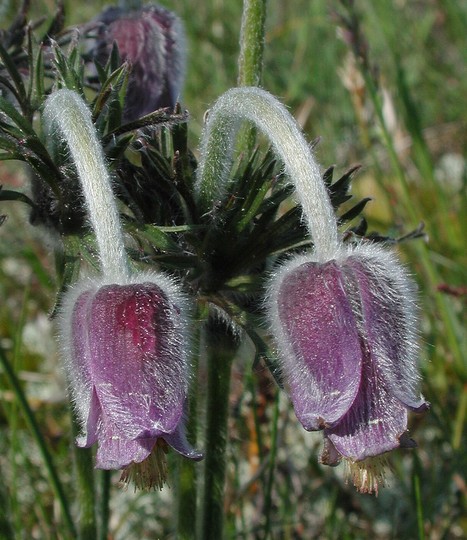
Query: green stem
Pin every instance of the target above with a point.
(104, 510)
(87, 529)
(36, 432)
(271, 468)
(418, 506)
(221, 349)
(250, 59)
(187, 485)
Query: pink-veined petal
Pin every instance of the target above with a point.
(137, 363)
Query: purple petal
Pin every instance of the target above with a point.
(117, 452)
(319, 343)
(389, 324)
(178, 441)
(375, 421)
(135, 348)
(93, 423)
(79, 360)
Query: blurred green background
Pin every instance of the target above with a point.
(409, 134)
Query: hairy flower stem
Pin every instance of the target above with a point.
(87, 526)
(67, 114)
(104, 509)
(250, 60)
(187, 480)
(273, 119)
(221, 346)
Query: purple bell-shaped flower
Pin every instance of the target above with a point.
(126, 359)
(346, 333)
(123, 334)
(343, 317)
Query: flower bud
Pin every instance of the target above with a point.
(152, 40)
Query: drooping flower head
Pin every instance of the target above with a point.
(346, 333)
(344, 318)
(152, 40)
(123, 334)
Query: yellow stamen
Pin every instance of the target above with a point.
(150, 473)
(367, 475)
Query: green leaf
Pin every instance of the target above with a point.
(355, 210)
(338, 192)
(156, 118)
(56, 24)
(14, 73)
(9, 143)
(11, 195)
(69, 69)
(327, 176)
(115, 79)
(17, 118)
(158, 237)
(39, 76)
(279, 195)
(4, 81)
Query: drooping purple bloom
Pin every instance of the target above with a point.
(152, 40)
(126, 353)
(346, 334)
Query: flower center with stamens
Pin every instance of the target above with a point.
(151, 473)
(367, 475)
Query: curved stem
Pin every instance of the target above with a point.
(270, 117)
(67, 113)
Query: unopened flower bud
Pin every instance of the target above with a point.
(152, 41)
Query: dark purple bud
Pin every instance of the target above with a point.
(152, 41)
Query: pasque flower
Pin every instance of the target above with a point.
(346, 332)
(123, 334)
(152, 40)
(344, 318)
